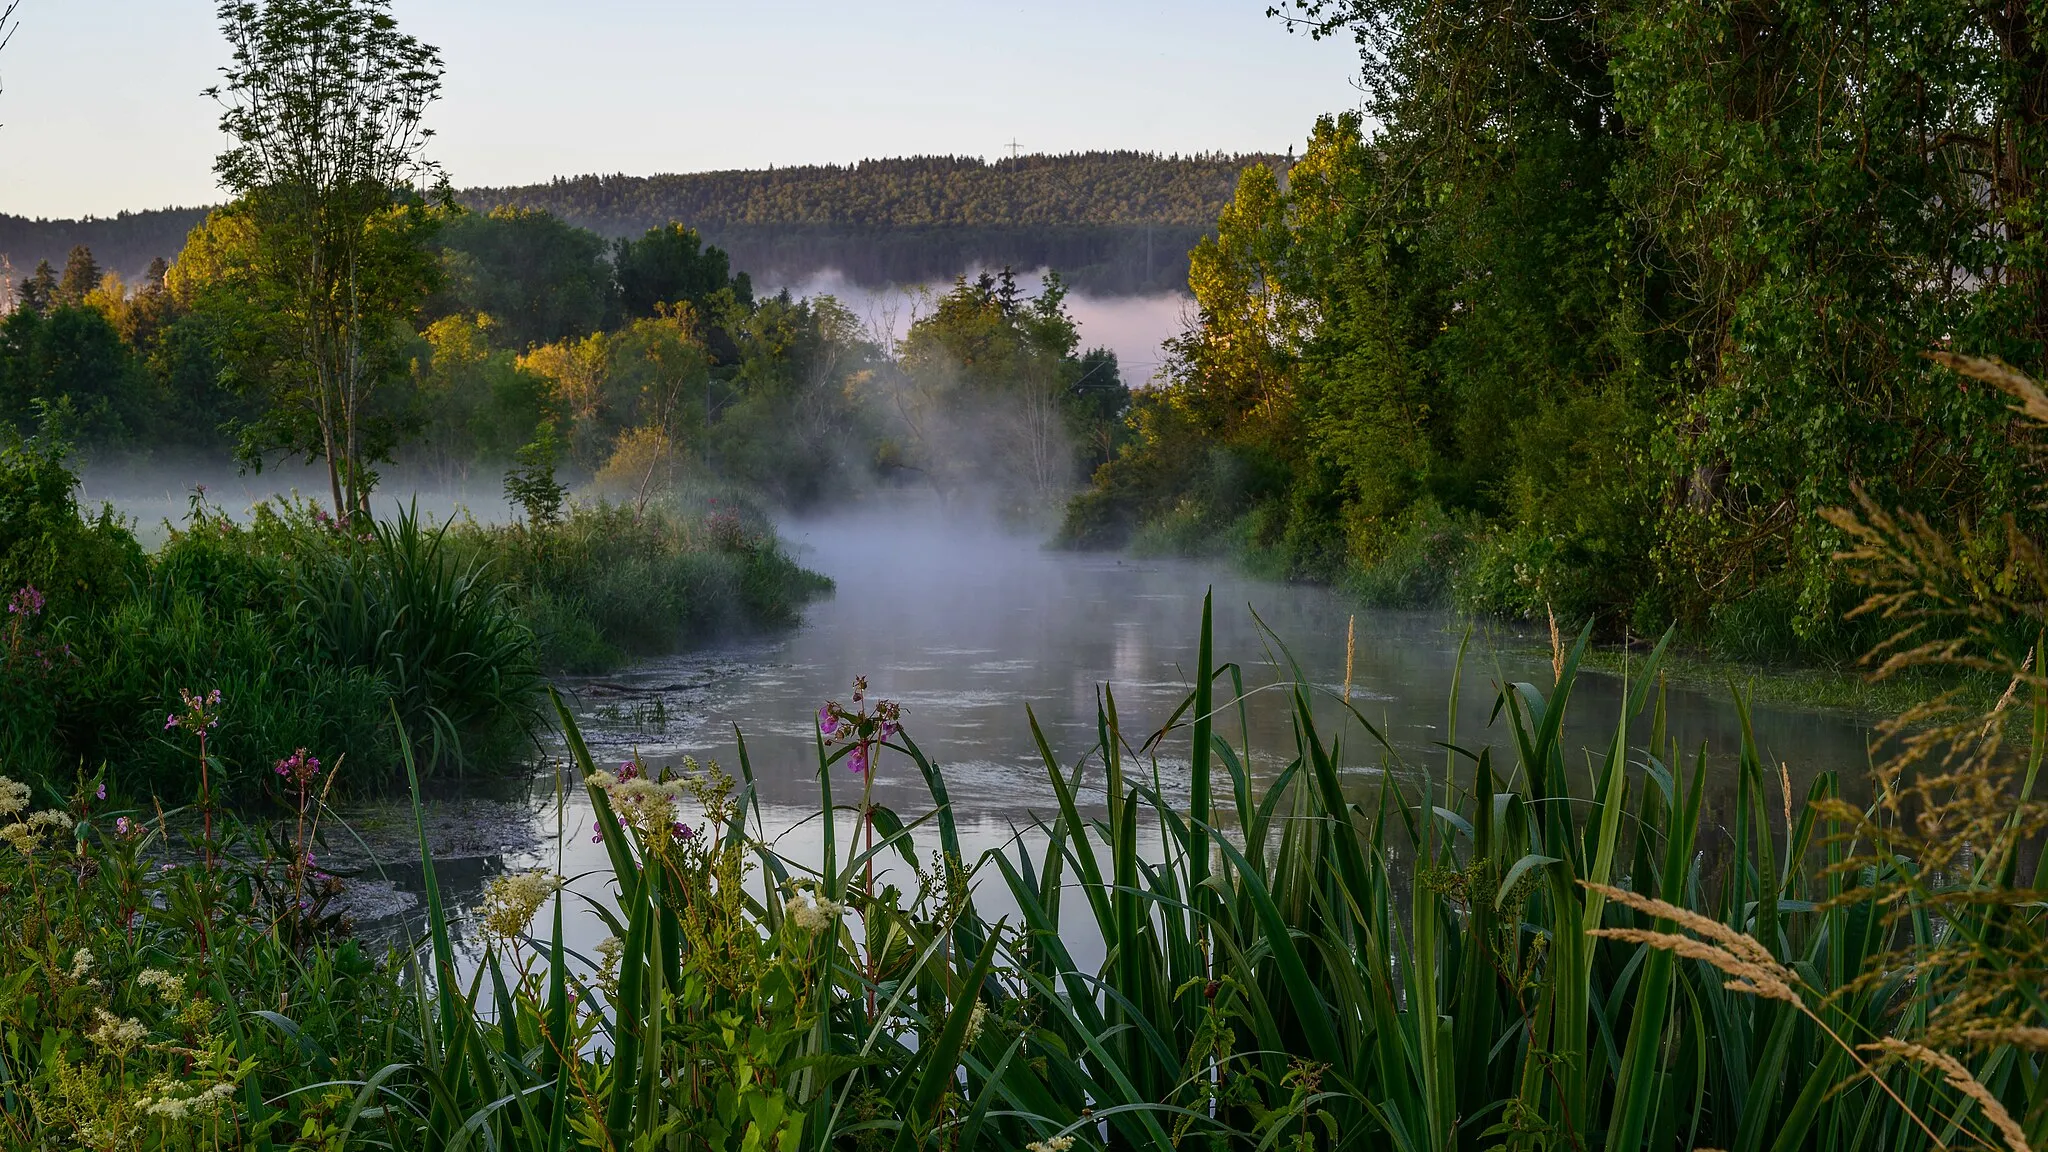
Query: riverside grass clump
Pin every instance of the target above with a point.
(344, 637)
(603, 581)
(1524, 952)
(314, 634)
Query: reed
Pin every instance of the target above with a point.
(1492, 952)
(1488, 955)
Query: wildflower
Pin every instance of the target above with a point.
(299, 768)
(116, 1036)
(20, 837)
(165, 1104)
(975, 1020)
(1050, 1144)
(171, 989)
(645, 805)
(828, 722)
(101, 792)
(50, 818)
(608, 952)
(857, 762)
(27, 602)
(511, 901)
(811, 916)
(81, 966)
(201, 711)
(121, 826)
(13, 796)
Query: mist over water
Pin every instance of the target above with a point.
(966, 625)
(151, 492)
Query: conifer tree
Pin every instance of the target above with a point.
(81, 276)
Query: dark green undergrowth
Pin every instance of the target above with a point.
(1456, 563)
(610, 582)
(334, 638)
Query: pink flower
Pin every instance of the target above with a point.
(858, 761)
(170, 722)
(121, 826)
(828, 723)
(299, 768)
(102, 793)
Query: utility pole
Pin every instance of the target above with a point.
(1012, 146)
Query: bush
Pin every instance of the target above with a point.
(75, 562)
(314, 637)
(610, 582)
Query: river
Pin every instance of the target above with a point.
(965, 626)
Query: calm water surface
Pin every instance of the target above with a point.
(965, 627)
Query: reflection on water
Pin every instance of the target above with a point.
(966, 627)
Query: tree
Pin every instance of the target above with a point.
(670, 266)
(81, 276)
(73, 357)
(323, 103)
(538, 279)
(40, 293)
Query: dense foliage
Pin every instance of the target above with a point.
(342, 639)
(1609, 304)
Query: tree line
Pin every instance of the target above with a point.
(629, 363)
(1114, 222)
(1608, 304)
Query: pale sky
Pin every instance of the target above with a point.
(102, 108)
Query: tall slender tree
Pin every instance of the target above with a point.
(323, 104)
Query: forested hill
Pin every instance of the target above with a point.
(1084, 189)
(124, 243)
(1112, 222)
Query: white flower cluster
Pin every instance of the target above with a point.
(648, 806)
(812, 916)
(13, 796)
(171, 989)
(1050, 1144)
(510, 902)
(166, 1104)
(608, 951)
(975, 1021)
(27, 835)
(81, 966)
(114, 1035)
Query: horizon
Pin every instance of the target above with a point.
(570, 178)
(789, 85)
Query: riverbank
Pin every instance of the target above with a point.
(183, 674)
(1441, 568)
(814, 998)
